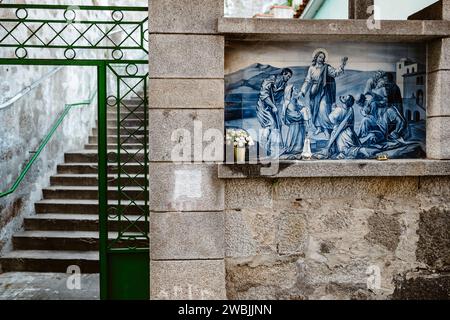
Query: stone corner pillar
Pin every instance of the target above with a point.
(438, 94)
(186, 91)
(358, 9)
(445, 9)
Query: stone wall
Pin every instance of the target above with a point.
(380, 236)
(438, 92)
(24, 124)
(186, 200)
(322, 238)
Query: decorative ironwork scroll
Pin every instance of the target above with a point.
(73, 32)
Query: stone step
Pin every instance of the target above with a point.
(82, 222)
(134, 99)
(135, 180)
(92, 168)
(86, 206)
(127, 123)
(113, 147)
(126, 115)
(65, 240)
(64, 232)
(128, 106)
(124, 139)
(49, 261)
(92, 156)
(130, 131)
(91, 193)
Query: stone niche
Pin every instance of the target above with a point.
(328, 100)
(343, 226)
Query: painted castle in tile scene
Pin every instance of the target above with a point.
(328, 101)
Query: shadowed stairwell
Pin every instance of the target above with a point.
(64, 231)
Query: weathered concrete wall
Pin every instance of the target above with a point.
(24, 124)
(319, 238)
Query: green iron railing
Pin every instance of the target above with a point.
(113, 40)
(131, 84)
(72, 32)
(44, 143)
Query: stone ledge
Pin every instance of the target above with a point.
(331, 30)
(339, 168)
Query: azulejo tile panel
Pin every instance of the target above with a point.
(315, 100)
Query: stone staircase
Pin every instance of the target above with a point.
(64, 231)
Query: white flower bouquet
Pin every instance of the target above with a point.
(240, 139)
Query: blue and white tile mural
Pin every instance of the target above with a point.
(328, 100)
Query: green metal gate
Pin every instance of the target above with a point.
(114, 40)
